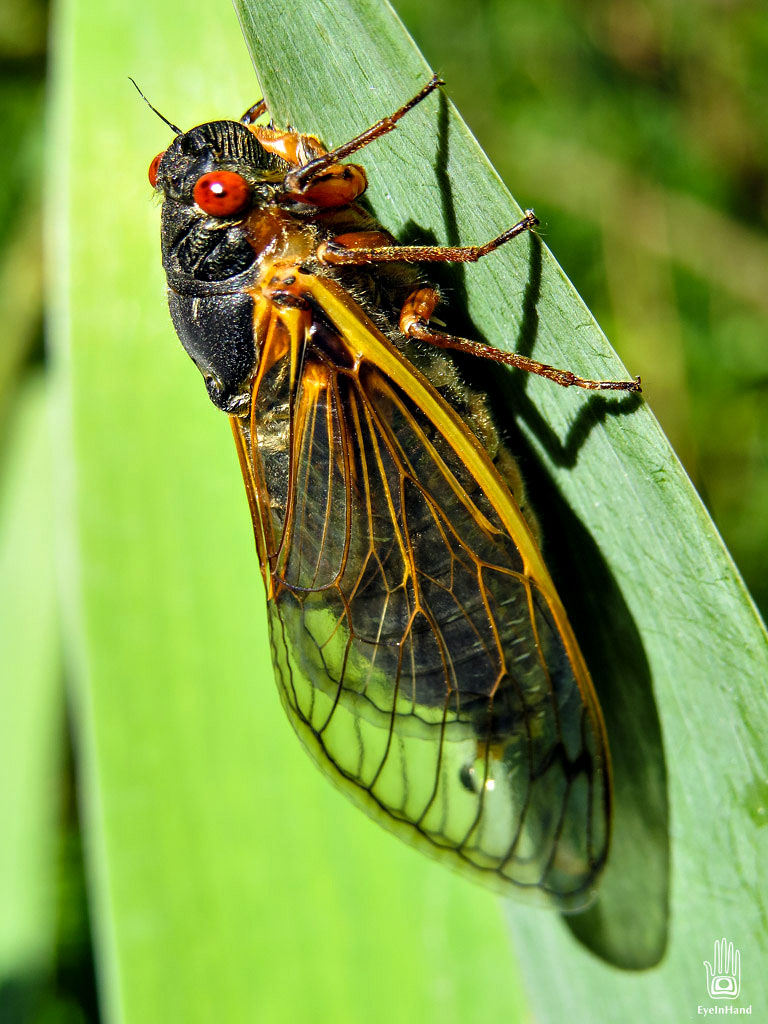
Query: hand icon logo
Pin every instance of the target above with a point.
(724, 978)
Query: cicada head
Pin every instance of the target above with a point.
(212, 178)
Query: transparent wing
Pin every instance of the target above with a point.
(417, 645)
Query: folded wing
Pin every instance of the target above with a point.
(421, 652)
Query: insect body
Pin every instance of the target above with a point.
(420, 649)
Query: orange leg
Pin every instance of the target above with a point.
(338, 185)
(334, 251)
(414, 323)
(319, 178)
(360, 241)
(254, 113)
(298, 182)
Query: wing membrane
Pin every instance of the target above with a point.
(419, 646)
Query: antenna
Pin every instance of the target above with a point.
(170, 124)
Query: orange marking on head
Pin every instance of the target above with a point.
(295, 149)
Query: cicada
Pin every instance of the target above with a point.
(420, 648)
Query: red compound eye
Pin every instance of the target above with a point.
(153, 169)
(222, 193)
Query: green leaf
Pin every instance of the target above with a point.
(227, 879)
(30, 697)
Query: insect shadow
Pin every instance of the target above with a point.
(627, 926)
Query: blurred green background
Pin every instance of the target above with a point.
(638, 132)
